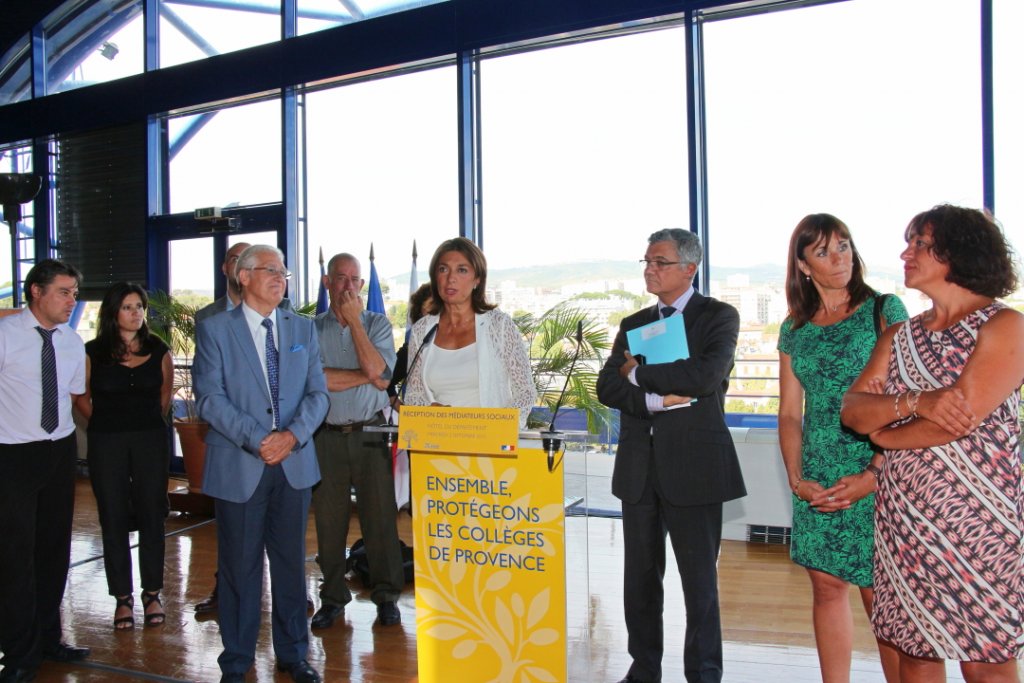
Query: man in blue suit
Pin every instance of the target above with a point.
(260, 385)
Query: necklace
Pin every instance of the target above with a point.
(836, 307)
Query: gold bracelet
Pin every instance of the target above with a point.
(873, 469)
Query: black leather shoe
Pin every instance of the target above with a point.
(631, 679)
(12, 675)
(300, 671)
(326, 615)
(388, 614)
(62, 652)
(232, 678)
(208, 605)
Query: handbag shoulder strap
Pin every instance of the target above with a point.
(880, 300)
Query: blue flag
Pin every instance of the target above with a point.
(413, 286)
(374, 295)
(321, 296)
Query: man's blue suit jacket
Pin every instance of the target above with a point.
(232, 396)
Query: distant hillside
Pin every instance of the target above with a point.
(556, 276)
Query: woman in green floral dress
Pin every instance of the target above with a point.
(823, 345)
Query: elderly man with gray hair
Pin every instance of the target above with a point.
(261, 387)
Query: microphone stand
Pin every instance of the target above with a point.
(550, 439)
(391, 435)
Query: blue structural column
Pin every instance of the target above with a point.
(988, 137)
(288, 234)
(41, 166)
(157, 158)
(696, 135)
(470, 199)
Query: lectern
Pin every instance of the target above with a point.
(489, 547)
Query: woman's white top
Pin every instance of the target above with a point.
(453, 376)
(504, 374)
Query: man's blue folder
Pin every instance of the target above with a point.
(662, 341)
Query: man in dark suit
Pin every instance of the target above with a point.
(261, 387)
(233, 297)
(676, 463)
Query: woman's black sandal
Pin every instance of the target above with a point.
(124, 623)
(156, 618)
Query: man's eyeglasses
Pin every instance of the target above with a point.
(658, 264)
(274, 272)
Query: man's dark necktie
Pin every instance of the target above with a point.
(48, 363)
(667, 311)
(272, 372)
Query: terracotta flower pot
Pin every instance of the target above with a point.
(192, 436)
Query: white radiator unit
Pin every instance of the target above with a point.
(768, 502)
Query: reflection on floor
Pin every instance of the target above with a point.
(765, 605)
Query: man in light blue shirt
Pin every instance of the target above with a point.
(358, 353)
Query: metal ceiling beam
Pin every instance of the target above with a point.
(430, 32)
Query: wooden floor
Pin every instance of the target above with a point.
(765, 613)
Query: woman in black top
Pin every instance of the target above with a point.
(129, 382)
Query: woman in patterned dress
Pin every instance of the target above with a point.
(941, 395)
(823, 345)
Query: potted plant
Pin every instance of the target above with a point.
(175, 322)
(552, 339)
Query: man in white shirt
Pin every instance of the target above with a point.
(42, 365)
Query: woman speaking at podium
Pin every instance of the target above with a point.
(465, 352)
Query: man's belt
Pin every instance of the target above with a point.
(353, 426)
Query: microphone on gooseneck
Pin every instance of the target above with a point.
(400, 392)
(551, 442)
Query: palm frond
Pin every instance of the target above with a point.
(175, 323)
(307, 309)
(552, 339)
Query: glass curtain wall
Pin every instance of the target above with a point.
(317, 15)
(20, 237)
(191, 31)
(382, 171)
(868, 110)
(227, 157)
(584, 156)
(93, 44)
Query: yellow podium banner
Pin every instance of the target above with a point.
(490, 567)
(494, 431)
